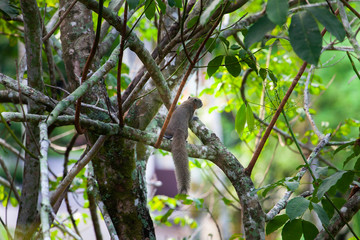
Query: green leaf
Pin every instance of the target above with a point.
(150, 9)
(328, 183)
(205, 16)
(133, 3)
(214, 65)
(310, 230)
(192, 22)
(225, 41)
(277, 10)
(292, 186)
(227, 201)
(199, 203)
(305, 37)
(342, 147)
(356, 148)
(162, 6)
(263, 73)
(165, 217)
(232, 65)
(250, 118)
(210, 44)
(321, 214)
(296, 207)
(321, 170)
(357, 164)
(329, 209)
(8, 9)
(176, 3)
(276, 223)
(344, 182)
(251, 63)
(243, 54)
(330, 22)
(273, 77)
(292, 230)
(235, 47)
(258, 30)
(240, 119)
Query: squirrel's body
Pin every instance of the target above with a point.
(178, 130)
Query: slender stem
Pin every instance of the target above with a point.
(44, 182)
(274, 119)
(87, 66)
(121, 53)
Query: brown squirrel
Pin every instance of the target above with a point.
(178, 130)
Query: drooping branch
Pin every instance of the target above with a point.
(76, 169)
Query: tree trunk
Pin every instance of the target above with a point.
(31, 175)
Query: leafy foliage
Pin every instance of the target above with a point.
(269, 47)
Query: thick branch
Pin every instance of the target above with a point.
(204, 152)
(349, 209)
(349, 33)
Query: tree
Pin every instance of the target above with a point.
(258, 58)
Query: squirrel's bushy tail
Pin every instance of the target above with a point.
(181, 161)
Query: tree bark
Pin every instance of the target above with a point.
(31, 176)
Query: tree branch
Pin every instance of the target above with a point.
(282, 203)
(204, 152)
(307, 103)
(350, 208)
(253, 215)
(44, 182)
(84, 87)
(137, 46)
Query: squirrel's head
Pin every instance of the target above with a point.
(196, 102)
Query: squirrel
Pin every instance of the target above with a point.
(178, 131)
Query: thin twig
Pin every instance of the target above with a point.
(87, 66)
(76, 169)
(10, 179)
(351, 8)
(121, 53)
(274, 119)
(307, 103)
